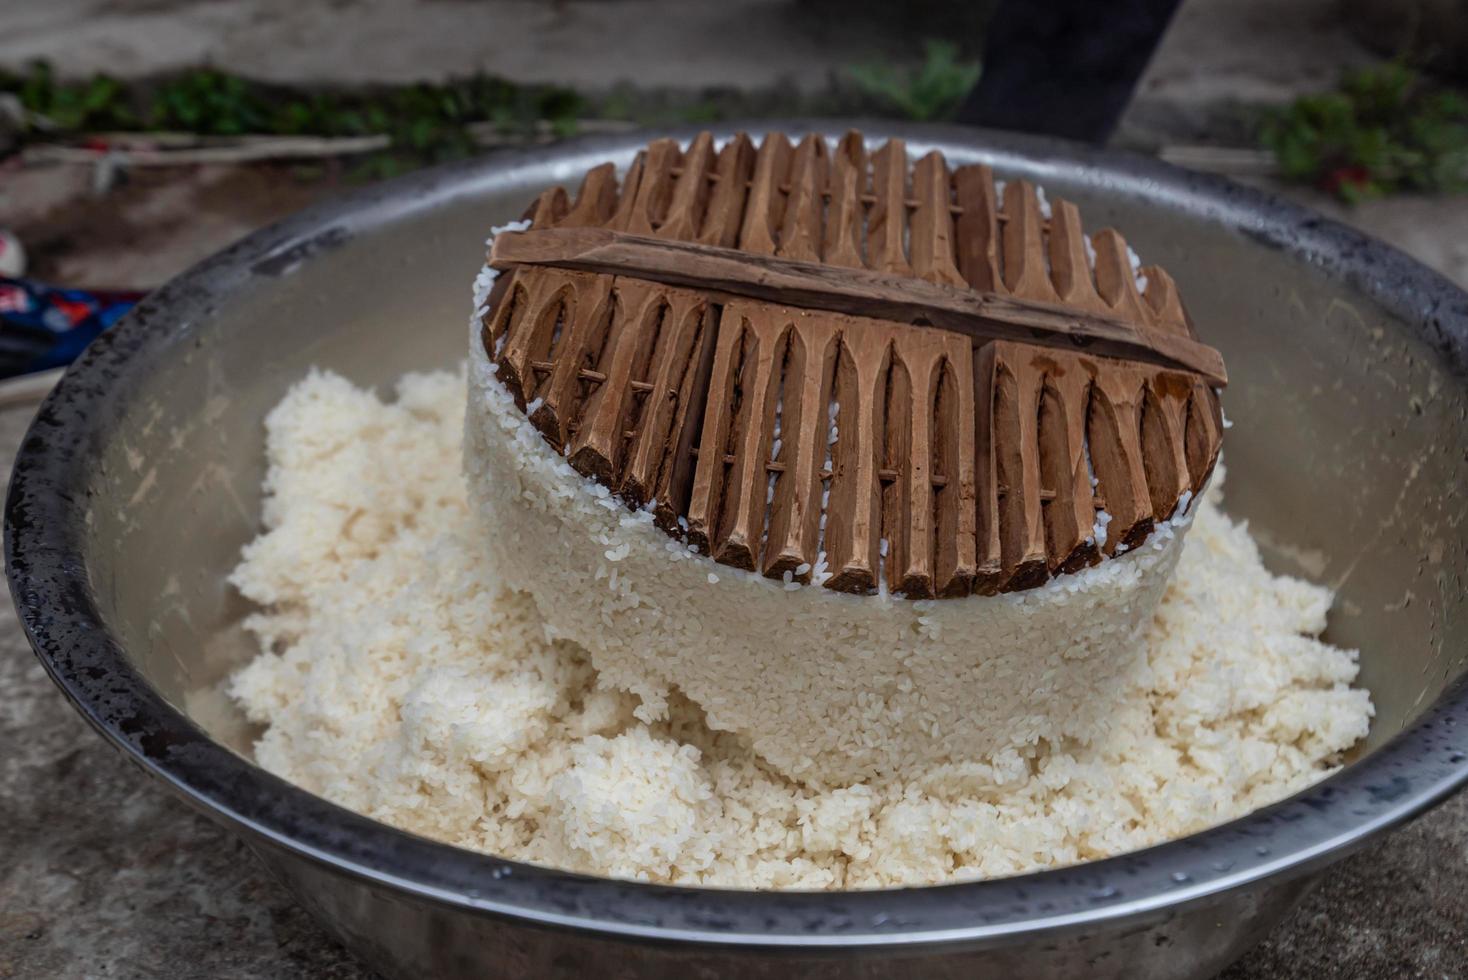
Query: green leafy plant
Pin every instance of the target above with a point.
(1383, 131)
(929, 91)
(101, 102)
(425, 122)
(210, 103)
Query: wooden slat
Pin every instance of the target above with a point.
(906, 563)
(742, 518)
(955, 559)
(920, 358)
(1024, 245)
(989, 550)
(1164, 305)
(732, 273)
(596, 201)
(794, 521)
(932, 254)
(1114, 432)
(978, 228)
(621, 218)
(1164, 429)
(932, 223)
(1070, 268)
(723, 413)
(765, 207)
(800, 230)
(683, 322)
(587, 316)
(1070, 514)
(1014, 409)
(1204, 435)
(671, 498)
(501, 307)
(539, 304)
(548, 208)
(843, 236)
(690, 191)
(854, 518)
(599, 446)
(655, 188)
(726, 203)
(1115, 280)
(887, 221)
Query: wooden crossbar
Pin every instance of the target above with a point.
(834, 362)
(728, 273)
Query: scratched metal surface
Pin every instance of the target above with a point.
(176, 481)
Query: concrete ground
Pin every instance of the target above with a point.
(1216, 52)
(1240, 49)
(585, 43)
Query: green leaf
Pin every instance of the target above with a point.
(1384, 128)
(930, 91)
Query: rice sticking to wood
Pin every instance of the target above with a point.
(1015, 399)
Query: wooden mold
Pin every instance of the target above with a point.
(827, 364)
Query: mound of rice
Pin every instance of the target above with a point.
(828, 688)
(402, 679)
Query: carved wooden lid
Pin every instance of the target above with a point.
(836, 366)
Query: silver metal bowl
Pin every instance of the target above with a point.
(140, 480)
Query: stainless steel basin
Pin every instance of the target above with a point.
(140, 480)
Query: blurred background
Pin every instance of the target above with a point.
(139, 136)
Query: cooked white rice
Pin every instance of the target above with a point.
(829, 688)
(402, 680)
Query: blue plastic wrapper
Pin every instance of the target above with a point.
(42, 327)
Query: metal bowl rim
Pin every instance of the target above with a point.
(46, 563)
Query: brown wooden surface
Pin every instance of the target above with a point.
(737, 332)
(982, 316)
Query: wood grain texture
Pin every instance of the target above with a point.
(887, 221)
(685, 319)
(845, 212)
(765, 207)
(800, 230)
(690, 193)
(1070, 267)
(932, 223)
(725, 214)
(854, 516)
(1025, 272)
(732, 273)
(1070, 515)
(800, 353)
(793, 533)
(977, 230)
(598, 446)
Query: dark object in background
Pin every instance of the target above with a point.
(1429, 33)
(1064, 67)
(43, 328)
